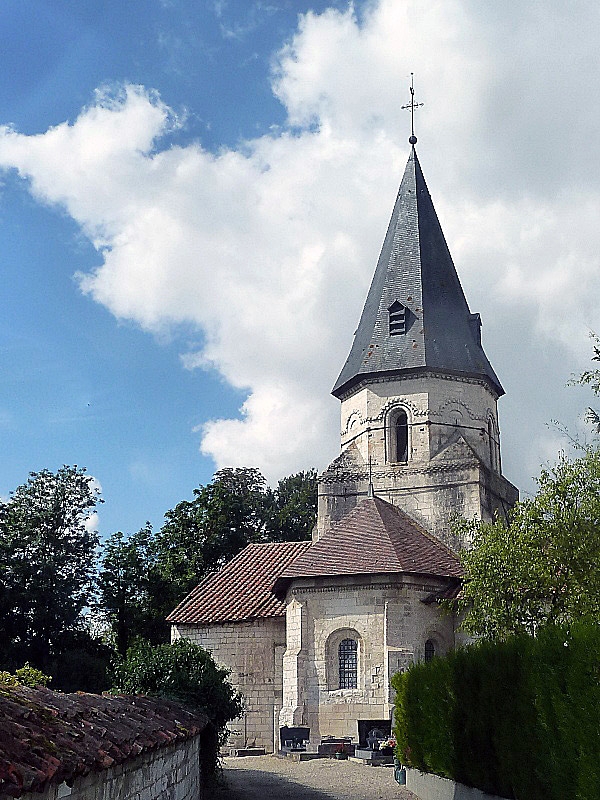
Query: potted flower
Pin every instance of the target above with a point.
(341, 753)
(386, 747)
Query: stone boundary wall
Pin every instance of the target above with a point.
(431, 787)
(168, 773)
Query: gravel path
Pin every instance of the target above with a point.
(272, 778)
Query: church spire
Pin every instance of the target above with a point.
(416, 317)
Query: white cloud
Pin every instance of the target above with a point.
(91, 522)
(269, 248)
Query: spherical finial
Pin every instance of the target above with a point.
(412, 139)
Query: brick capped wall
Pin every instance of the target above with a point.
(171, 773)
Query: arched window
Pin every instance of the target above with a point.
(348, 664)
(491, 443)
(429, 650)
(401, 436)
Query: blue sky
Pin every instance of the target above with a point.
(193, 197)
(79, 386)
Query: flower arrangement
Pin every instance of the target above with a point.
(341, 753)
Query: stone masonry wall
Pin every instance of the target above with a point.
(253, 651)
(170, 773)
(454, 453)
(391, 625)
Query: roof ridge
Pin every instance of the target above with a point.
(421, 529)
(356, 545)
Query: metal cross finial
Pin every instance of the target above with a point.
(412, 105)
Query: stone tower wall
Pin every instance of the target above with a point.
(453, 465)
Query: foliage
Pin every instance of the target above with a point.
(25, 676)
(126, 585)
(83, 664)
(48, 564)
(591, 378)
(501, 716)
(186, 672)
(181, 671)
(293, 508)
(235, 509)
(544, 566)
(202, 534)
(47, 553)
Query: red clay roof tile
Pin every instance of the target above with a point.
(242, 589)
(375, 537)
(48, 737)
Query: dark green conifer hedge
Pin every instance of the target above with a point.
(519, 719)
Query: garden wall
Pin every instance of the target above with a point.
(171, 773)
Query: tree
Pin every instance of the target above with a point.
(293, 510)
(235, 509)
(591, 377)
(544, 565)
(125, 588)
(202, 534)
(47, 563)
(144, 576)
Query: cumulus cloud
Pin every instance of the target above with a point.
(268, 248)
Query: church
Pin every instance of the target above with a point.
(313, 631)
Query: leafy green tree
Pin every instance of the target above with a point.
(544, 566)
(591, 378)
(144, 576)
(235, 509)
(127, 583)
(293, 511)
(203, 534)
(47, 563)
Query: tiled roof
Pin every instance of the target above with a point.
(375, 537)
(48, 737)
(415, 269)
(243, 589)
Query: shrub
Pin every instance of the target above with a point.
(502, 716)
(25, 676)
(186, 672)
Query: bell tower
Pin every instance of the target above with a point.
(419, 419)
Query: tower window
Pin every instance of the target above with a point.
(348, 658)
(494, 444)
(401, 436)
(397, 314)
(429, 650)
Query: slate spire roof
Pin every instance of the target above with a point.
(375, 537)
(433, 326)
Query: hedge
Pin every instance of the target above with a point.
(519, 719)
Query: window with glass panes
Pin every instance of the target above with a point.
(348, 654)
